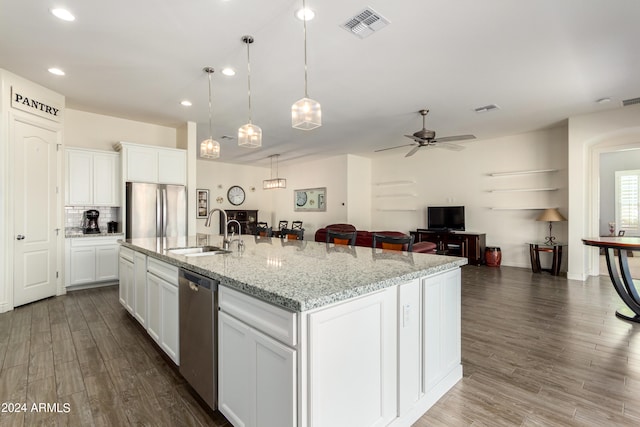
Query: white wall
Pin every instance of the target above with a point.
(100, 132)
(589, 136)
(440, 177)
(331, 173)
(359, 192)
(611, 162)
(217, 177)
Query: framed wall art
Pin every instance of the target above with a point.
(202, 200)
(310, 200)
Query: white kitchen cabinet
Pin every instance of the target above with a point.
(126, 276)
(257, 374)
(352, 370)
(91, 260)
(93, 178)
(441, 325)
(163, 320)
(139, 288)
(144, 163)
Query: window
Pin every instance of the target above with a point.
(628, 201)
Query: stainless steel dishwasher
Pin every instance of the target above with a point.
(198, 334)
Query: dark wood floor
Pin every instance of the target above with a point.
(537, 350)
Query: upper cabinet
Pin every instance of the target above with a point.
(145, 163)
(93, 178)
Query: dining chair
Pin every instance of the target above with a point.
(338, 238)
(296, 225)
(394, 243)
(264, 231)
(291, 234)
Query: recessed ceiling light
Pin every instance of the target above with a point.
(63, 14)
(186, 103)
(228, 71)
(56, 71)
(305, 14)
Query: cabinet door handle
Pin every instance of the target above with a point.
(20, 237)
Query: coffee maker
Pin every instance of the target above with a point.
(90, 223)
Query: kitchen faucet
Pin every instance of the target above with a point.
(240, 241)
(207, 223)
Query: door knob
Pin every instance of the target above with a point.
(20, 237)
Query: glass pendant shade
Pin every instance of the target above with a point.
(210, 149)
(250, 136)
(306, 114)
(269, 184)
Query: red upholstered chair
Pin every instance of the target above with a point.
(425, 248)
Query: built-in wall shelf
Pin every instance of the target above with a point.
(516, 190)
(528, 172)
(398, 195)
(530, 208)
(390, 183)
(397, 210)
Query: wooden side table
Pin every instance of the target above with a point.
(555, 248)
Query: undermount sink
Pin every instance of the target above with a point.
(198, 251)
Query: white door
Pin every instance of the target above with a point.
(35, 213)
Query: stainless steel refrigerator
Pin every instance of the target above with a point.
(155, 210)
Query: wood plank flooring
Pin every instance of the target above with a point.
(537, 350)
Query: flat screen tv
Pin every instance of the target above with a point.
(445, 218)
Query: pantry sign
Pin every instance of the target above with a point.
(35, 104)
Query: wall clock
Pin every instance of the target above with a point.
(236, 195)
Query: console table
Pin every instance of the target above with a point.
(622, 281)
(457, 243)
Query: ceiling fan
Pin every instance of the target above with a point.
(427, 138)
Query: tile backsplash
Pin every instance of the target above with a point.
(74, 217)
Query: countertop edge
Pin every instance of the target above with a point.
(297, 305)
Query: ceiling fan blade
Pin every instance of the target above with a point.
(455, 138)
(393, 148)
(449, 146)
(413, 151)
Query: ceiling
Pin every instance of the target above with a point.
(540, 61)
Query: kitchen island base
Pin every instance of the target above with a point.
(382, 359)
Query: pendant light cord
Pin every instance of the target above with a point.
(304, 22)
(210, 71)
(249, 41)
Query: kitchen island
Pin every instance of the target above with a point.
(312, 334)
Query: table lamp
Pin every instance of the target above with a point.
(552, 215)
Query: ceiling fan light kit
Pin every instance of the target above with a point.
(427, 138)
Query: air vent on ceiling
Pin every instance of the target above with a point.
(632, 101)
(486, 108)
(365, 23)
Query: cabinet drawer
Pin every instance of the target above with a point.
(126, 253)
(94, 241)
(273, 321)
(163, 270)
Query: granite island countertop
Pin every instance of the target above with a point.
(298, 275)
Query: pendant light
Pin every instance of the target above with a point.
(209, 148)
(249, 135)
(269, 184)
(306, 113)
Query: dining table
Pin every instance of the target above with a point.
(619, 273)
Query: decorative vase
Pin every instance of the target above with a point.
(492, 256)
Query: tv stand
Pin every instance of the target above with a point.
(456, 243)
